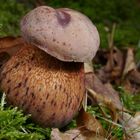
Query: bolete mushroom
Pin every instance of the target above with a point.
(38, 80)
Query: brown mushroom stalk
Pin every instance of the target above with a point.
(49, 89)
(46, 77)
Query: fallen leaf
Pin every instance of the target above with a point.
(127, 86)
(131, 76)
(131, 82)
(134, 76)
(130, 62)
(11, 45)
(104, 90)
(114, 96)
(74, 134)
(8, 47)
(112, 65)
(89, 122)
(107, 103)
(117, 62)
(131, 125)
(89, 128)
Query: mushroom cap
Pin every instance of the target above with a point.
(43, 86)
(63, 33)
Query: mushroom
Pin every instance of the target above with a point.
(40, 78)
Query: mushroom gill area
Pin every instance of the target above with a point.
(48, 89)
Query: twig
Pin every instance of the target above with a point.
(111, 43)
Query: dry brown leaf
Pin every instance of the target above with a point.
(130, 62)
(131, 83)
(131, 125)
(103, 75)
(112, 65)
(11, 44)
(131, 75)
(113, 95)
(134, 76)
(104, 90)
(127, 86)
(89, 122)
(117, 61)
(89, 128)
(107, 103)
(8, 47)
(74, 134)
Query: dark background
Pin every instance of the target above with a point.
(104, 13)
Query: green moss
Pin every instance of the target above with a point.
(131, 102)
(10, 15)
(16, 126)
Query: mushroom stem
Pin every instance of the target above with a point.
(43, 86)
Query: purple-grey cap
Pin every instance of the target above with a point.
(63, 33)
